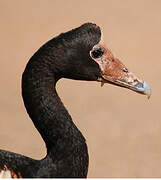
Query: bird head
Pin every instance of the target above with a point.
(113, 71)
(90, 59)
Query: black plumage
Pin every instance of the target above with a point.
(66, 55)
(78, 54)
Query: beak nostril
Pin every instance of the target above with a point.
(125, 70)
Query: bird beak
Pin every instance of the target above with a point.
(115, 72)
(127, 80)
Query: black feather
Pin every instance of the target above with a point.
(66, 55)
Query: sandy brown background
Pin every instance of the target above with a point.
(122, 128)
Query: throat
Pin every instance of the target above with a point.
(48, 113)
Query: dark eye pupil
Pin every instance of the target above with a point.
(97, 53)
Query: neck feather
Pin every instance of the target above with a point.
(67, 55)
(45, 108)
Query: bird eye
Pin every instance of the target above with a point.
(97, 53)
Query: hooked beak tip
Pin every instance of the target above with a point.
(147, 89)
(144, 88)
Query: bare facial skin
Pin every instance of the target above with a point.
(115, 72)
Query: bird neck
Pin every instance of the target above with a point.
(46, 110)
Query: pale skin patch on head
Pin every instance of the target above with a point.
(107, 59)
(112, 68)
(106, 52)
(8, 173)
(113, 71)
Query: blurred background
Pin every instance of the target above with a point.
(122, 128)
